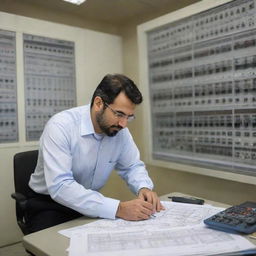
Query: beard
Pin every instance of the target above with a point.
(109, 130)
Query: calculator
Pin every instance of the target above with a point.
(238, 218)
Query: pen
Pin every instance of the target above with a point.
(188, 200)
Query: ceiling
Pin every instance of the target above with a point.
(110, 11)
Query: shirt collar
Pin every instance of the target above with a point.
(86, 121)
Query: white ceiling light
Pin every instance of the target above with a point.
(75, 1)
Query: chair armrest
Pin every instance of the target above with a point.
(21, 200)
(18, 197)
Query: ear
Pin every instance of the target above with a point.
(98, 103)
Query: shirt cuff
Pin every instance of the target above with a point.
(109, 208)
(146, 185)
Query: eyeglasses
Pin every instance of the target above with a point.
(120, 115)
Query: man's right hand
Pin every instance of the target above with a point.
(136, 209)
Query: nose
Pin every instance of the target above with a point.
(123, 122)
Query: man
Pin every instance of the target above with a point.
(78, 150)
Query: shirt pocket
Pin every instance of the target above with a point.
(102, 174)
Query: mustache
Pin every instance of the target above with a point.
(116, 126)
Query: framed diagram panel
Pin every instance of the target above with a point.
(49, 67)
(201, 85)
(8, 88)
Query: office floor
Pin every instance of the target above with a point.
(13, 250)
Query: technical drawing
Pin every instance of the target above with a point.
(8, 88)
(202, 84)
(49, 66)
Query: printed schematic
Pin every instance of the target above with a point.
(202, 84)
(8, 88)
(49, 66)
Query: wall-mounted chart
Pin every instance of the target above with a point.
(8, 88)
(202, 86)
(49, 66)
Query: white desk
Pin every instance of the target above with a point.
(49, 242)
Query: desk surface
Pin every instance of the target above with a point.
(49, 242)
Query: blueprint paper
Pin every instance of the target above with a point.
(186, 241)
(176, 231)
(174, 215)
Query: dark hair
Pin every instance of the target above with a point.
(111, 85)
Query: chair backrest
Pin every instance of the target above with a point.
(24, 166)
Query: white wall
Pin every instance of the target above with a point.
(96, 55)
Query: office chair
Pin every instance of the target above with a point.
(24, 166)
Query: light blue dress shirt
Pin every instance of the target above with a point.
(74, 163)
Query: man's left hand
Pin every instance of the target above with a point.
(151, 197)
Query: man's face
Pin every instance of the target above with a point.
(109, 119)
(105, 126)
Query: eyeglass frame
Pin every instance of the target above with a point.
(119, 114)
